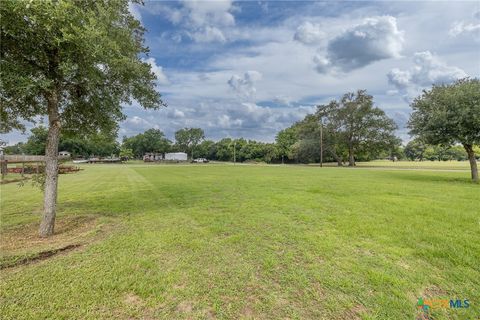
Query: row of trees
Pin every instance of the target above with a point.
(190, 140)
(349, 129)
(287, 148)
(418, 150)
(98, 144)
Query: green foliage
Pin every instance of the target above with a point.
(152, 140)
(351, 125)
(126, 153)
(415, 149)
(95, 144)
(188, 138)
(36, 142)
(448, 114)
(285, 140)
(355, 124)
(82, 57)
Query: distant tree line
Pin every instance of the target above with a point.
(97, 144)
(350, 129)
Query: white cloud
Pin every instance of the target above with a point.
(208, 34)
(202, 21)
(375, 39)
(219, 118)
(244, 86)
(309, 33)
(427, 70)
(225, 122)
(201, 13)
(157, 70)
(462, 27)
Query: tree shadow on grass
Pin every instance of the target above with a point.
(436, 178)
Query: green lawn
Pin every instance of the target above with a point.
(251, 242)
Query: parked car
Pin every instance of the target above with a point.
(200, 160)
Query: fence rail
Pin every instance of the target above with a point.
(22, 158)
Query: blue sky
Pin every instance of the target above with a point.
(251, 68)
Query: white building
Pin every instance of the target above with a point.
(176, 156)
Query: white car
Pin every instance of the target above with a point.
(200, 160)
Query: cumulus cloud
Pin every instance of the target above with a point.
(375, 39)
(201, 13)
(219, 118)
(427, 70)
(309, 33)
(201, 21)
(174, 113)
(208, 34)
(462, 27)
(157, 70)
(244, 86)
(226, 122)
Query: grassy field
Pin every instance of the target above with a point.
(242, 242)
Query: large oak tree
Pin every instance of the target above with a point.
(72, 63)
(355, 122)
(450, 114)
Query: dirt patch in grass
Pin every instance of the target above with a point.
(354, 313)
(185, 307)
(434, 291)
(22, 245)
(132, 299)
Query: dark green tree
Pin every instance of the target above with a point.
(74, 63)
(36, 142)
(450, 114)
(355, 122)
(415, 150)
(188, 138)
(152, 140)
(285, 140)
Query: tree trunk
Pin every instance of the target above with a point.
(337, 158)
(351, 158)
(51, 168)
(473, 161)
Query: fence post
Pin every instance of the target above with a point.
(23, 166)
(3, 166)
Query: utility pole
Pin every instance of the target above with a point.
(321, 142)
(234, 151)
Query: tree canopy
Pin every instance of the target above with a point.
(152, 140)
(76, 63)
(357, 124)
(188, 138)
(449, 114)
